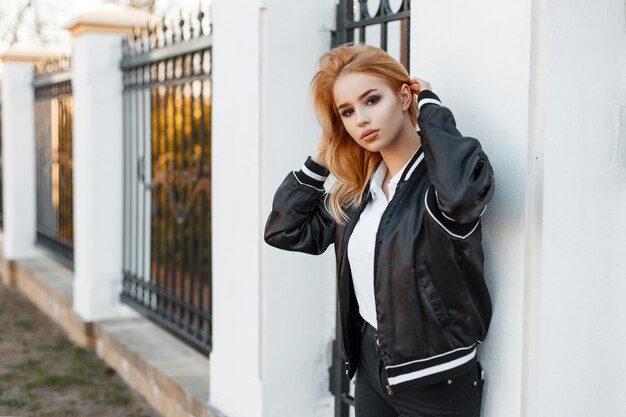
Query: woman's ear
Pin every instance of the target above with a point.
(406, 95)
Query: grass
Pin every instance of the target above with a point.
(42, 373)
(24, 323)
(82, 370)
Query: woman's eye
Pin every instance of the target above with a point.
(373, 100)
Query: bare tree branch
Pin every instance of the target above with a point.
(19, 20)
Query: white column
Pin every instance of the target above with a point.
(98, 158)
(273, 311)
(476, 57)
(581, 284)
(18, 150)
(542, 84)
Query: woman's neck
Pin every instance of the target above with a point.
(400, 151)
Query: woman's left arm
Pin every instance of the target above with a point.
(459, 170)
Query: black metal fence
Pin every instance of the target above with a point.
(382, 23)
(167, 194)
(53, 138)
(386, 24)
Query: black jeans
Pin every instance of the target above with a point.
(458, 397)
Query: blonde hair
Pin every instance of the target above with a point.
(351, 164)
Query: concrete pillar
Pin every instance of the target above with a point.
(576, 358)
(18, 149)
(542, 84)
(97, 153)
(273, 311)
(479, 66)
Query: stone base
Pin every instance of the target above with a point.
(7, 272)
(47, 284)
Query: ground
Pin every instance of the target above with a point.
(43, 374)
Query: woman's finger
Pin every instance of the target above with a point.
(422, 83)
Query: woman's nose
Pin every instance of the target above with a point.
(362, 118)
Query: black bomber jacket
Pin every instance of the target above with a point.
(432, 304)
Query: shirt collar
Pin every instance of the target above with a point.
(381, 171)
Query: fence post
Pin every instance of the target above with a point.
(18, 134)
(273, 311)
(97, 153)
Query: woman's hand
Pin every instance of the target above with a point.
(417, 84)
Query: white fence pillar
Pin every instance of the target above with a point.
(18, 149)
(483, 77)
(516, 75)
(576, 357)
(97, 153)
(273, 311)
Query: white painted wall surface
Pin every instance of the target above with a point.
(18, 160)
(582, 315)
(273, 310)
(551, 116)
(235, 151)
(298, 290)
(476, 56)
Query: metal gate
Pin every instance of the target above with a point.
(53, 138)
(167, 183)
(385, 24)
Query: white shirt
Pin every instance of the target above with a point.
(363, 237)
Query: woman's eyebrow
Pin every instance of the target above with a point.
(360, 97)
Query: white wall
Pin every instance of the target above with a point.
(546, 95)
(298, 289)
(98, 175)
(235, 359)
(18, 160)
(582, 313)
(476, 56)
(273, 310)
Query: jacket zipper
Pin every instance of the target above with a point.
(377, 250)
(401, 183)
(349, 230)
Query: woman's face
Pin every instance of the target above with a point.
(365, 102)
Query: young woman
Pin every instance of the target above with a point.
(403, 211)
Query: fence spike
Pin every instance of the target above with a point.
(150, 35)
(181, 25)
(137, 41)
(200, 20)
(191, 25)
(125, 46)
(173, 32)
(142, 42)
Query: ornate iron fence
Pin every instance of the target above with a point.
(382, 23)
(53, 138)
(167, 183)
(386, 24)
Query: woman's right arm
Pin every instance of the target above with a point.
(298, 220)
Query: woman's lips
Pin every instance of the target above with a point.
(371, 136)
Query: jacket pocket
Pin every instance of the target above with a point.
(430, 296)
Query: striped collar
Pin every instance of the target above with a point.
(402, 175)
(410, 166)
